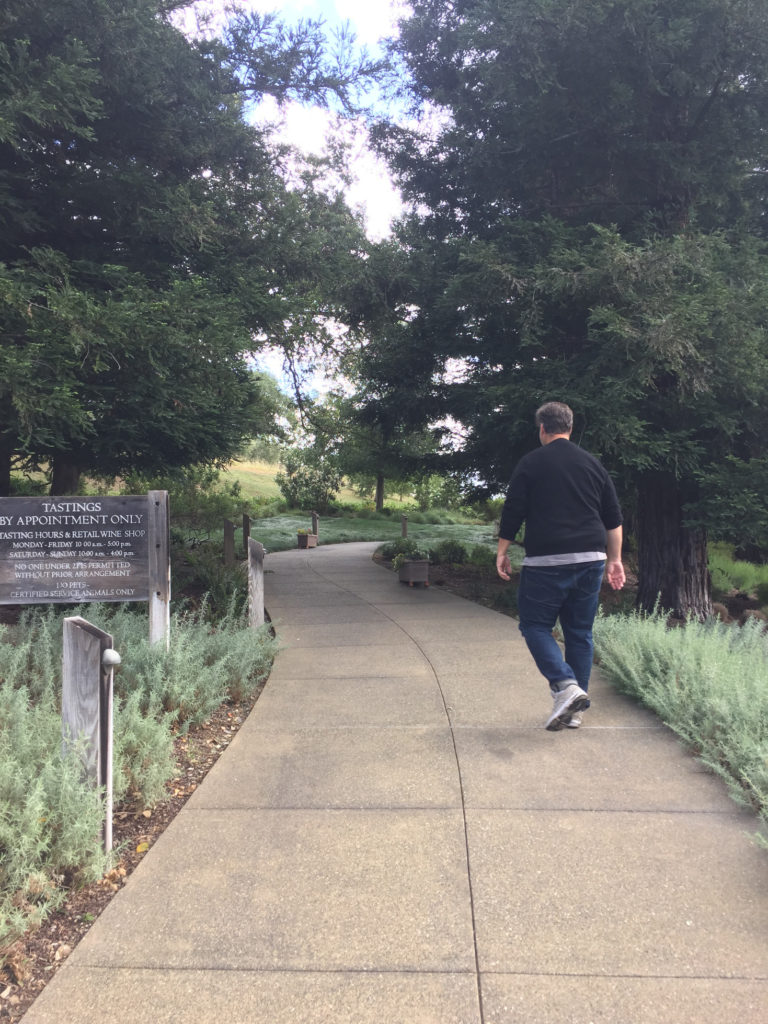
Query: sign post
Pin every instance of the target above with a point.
(159, 568)
(229, 543)
(88, 663)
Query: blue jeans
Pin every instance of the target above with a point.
(567, 592)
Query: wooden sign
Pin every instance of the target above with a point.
(72, 550)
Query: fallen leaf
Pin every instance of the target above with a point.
(142, 848)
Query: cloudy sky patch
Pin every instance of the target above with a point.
(306, 129)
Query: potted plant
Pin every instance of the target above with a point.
(306, 539)
(412, 568)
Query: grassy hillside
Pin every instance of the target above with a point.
(257, 480)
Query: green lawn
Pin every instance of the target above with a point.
(278, 533)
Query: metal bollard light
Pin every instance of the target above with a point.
(110, 659)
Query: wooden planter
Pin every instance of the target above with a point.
(415, 571)
(307, 540)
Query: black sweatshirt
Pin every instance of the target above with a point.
(566, 499)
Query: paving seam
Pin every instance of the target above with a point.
(734, 816)
(418, 646)
(640, 977)
(452, 807)
(482, 727)
(154, 969)
(330, 972)
(331, 808)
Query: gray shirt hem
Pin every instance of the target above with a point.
(574, 558)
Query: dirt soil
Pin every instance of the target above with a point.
(31, 963)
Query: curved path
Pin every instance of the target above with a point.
(394, 838)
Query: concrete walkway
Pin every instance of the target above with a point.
(394, 838)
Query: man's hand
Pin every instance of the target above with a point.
(503, 566)
(614, 572)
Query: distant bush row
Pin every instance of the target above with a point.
(446, 552)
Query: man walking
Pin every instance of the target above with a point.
(573, 534)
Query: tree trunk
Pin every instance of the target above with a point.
(65, 476)
(6, 454)
(672, 558)
(379, 492)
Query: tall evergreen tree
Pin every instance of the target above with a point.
(593, 201)
(384, 414)
(147, 233)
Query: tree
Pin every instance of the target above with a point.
(149, 235)
(381, 425)
(372, 439)
(593, 205)
(311, 479)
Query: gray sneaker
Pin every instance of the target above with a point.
(566, 703)
(574, 722)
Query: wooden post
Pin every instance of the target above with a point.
(315, 524)
(255, 583)
(159, 568)
(229, 542)
(404, 525)
(246, 533)
(87, 705)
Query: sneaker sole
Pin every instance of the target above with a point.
(558, 722)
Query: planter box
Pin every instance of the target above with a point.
(307, 540)
(415, 571)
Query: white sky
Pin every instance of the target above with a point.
(306, 128)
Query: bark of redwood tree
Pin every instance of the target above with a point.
(65, 475)
(6, 452)
(672, 558)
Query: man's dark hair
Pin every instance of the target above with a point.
(556, 418)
